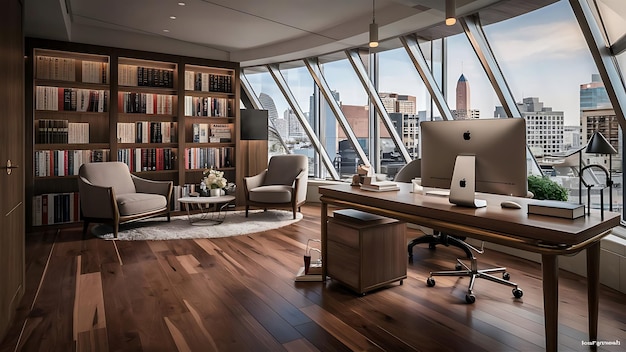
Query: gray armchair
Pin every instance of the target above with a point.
(282, 185)
(109, 193)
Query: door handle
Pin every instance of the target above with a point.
(9, 167)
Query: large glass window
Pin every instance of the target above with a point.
(343, 81)
(407, 102)
(553, 78)
(283, 123)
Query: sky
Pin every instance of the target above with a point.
(541, 54)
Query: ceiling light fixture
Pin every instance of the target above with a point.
(172, 17)
(181, 3)
(373, 27)
(450, 12)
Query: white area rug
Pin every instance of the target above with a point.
(234, 224)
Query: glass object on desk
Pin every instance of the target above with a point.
(417, 186)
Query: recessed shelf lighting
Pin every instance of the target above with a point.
(172, 17)
(166, 30)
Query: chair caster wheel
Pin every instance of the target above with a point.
(470, 298)
(430, 282)
(458, 267)
(506, 275)
(518, 293)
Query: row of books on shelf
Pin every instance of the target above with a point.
(139, 76)
(204, 158)
(148, 159)
(71, 99)
(186, 190)
(64, 69)
(208, 82)
(56, 208)
(147, 132)
(61, 131)
(212, 133)
(205, 106)
(65, 162)
(145, 103)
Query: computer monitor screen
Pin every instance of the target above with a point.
(499, 147)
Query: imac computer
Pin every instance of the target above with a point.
(479, 155)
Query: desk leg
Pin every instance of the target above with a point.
(593, 287)
(550, 267)
(324, 235)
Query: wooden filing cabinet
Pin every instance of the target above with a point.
(365, 251)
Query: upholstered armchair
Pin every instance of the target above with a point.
(282, 185)
(109, 193)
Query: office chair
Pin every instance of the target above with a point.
(406, 174)
(413, 170)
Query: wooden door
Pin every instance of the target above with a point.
(11, 163)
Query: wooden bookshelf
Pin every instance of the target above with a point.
(140, 117)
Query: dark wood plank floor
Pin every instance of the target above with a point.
(238, 294)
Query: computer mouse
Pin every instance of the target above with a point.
(509, 204)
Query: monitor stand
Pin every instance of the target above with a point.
(463, 185)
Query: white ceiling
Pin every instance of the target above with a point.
(247, 31)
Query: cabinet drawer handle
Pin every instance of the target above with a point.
(9, 167)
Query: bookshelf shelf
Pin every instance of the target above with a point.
(92, 146)
(137, 90)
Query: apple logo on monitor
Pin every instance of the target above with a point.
(463, 183)
(466, 135)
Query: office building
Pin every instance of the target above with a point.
(463, 109)
(544, 126)
(64, 289)
(393, 102)
(593, 95)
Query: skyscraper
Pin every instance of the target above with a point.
(463, 109)
(279, 123)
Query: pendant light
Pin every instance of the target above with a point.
(450, 12)
(373, 27)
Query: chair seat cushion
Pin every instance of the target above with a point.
(271, 194)
(139, 203)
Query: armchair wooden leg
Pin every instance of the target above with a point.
(294, 213)
(247, 208)
(168, 216)
(85, 227)
(116, 227)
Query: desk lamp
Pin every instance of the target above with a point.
(599, 145)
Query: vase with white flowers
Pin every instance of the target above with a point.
(213, 182)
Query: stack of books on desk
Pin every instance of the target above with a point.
(556, 208)
(380, 186)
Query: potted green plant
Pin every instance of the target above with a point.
(544, 188)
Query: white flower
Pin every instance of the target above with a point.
(214, 179)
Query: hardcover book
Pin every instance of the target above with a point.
(557, 209)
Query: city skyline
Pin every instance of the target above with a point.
(552, 69)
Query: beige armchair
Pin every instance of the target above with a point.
(109, 193)
(282, 185)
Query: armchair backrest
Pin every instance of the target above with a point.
(283, 169)
(109, 174)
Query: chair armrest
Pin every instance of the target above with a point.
(300, 185)
(96, 201)
(143, 185)
(254, 181)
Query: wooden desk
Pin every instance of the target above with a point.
(514, 228)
